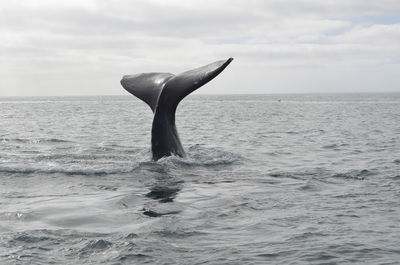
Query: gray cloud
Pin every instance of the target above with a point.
(83, 47)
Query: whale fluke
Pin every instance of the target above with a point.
(163, 92)
(147, 86)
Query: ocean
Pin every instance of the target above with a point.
(269, 179)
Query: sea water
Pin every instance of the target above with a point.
(268, 179)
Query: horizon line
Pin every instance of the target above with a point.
(216, 94)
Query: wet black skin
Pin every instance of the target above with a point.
(163, 92)
(164, 136)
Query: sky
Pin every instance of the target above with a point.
(84, 47)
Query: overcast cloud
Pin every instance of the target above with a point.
(83, 47)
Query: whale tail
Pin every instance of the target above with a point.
(163, 92)
(149, 86)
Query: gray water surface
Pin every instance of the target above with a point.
(310, 179)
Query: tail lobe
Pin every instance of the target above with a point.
(147, 86)
(185, 83)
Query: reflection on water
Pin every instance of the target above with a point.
(163, 193)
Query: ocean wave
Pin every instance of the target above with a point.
(178, 233)
(26, 238)
(133, 257)
(35, 140)
(110, 163)
(95, 245)
(206, 156)
(317, 173)
(17, 216)
(324, 175)
(66, 171)
(94, 160)
(334, 146)
(354, 174)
